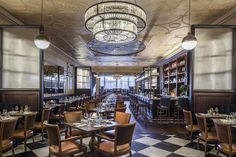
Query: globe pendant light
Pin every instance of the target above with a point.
(41, 41)
(189, 42)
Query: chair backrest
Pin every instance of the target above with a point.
(120, 104)
(124, 133)
(72, 117)
(202, 124)
(122, 109)
(45, 115)
(183, 102)
(122, 118)
(91, 105)
(165, 101)
(29, 121)
(53, 134)
(223, 132)
(188, 117)
(62, 109)
(7, 128)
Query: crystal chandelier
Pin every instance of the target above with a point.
(115, 21)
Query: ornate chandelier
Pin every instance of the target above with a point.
(115, 21)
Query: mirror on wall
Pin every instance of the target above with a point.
(53, 79)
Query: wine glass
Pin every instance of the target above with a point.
(16, 108)
(26, 108)
(86, 116)
(4, 111)
(217, 110)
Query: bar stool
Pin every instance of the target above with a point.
(181, 104)
(164, 107)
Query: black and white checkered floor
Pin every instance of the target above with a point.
(154, 142)
(152, 145)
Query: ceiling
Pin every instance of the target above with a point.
(166, 26)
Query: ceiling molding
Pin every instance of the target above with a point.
(10, 17)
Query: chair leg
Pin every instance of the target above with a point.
(191, 136)
(13, 151)
(33, 138)
(217, 153)
(205, 149)
(42, 134)
(130, 154)
(25, 144)
(198, 140)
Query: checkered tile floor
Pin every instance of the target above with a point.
(145, 143)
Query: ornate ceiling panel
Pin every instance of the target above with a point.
(166, 25)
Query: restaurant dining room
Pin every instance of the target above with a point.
(100, 78)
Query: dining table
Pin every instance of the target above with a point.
(214, 116)
(92, 127)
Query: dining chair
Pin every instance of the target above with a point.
(121, 109)
(7, 128)
(59, 117)
(120, 144)
(189, 126)
(66, 147)
(120, 104)
(73, 117)
(181, 104)
(205, 135)
(224, 136)
(120, 118)
(27, 131)
(90, 105)
(40, 125)
(164, 107)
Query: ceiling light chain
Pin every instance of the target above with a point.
(41, 41)
(189, 42)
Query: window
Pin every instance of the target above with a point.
(83, 78)
(108, 82)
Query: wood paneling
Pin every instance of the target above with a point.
(202, 100)
(20, 97)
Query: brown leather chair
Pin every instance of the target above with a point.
(224, 135)
(121, 118)
(27, 131)
(59, 147)
(120, 104)
(7, 128)
(40, 125)
(120, 145)
(73, 117)
(121, 109)
(190, 127)
(205, 135)
(90, 105)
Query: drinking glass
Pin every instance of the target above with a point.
(26, 108)
(86, 116)
(216, 110)
(16, 108)
(4, 112)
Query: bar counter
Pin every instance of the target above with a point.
(153, 103)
